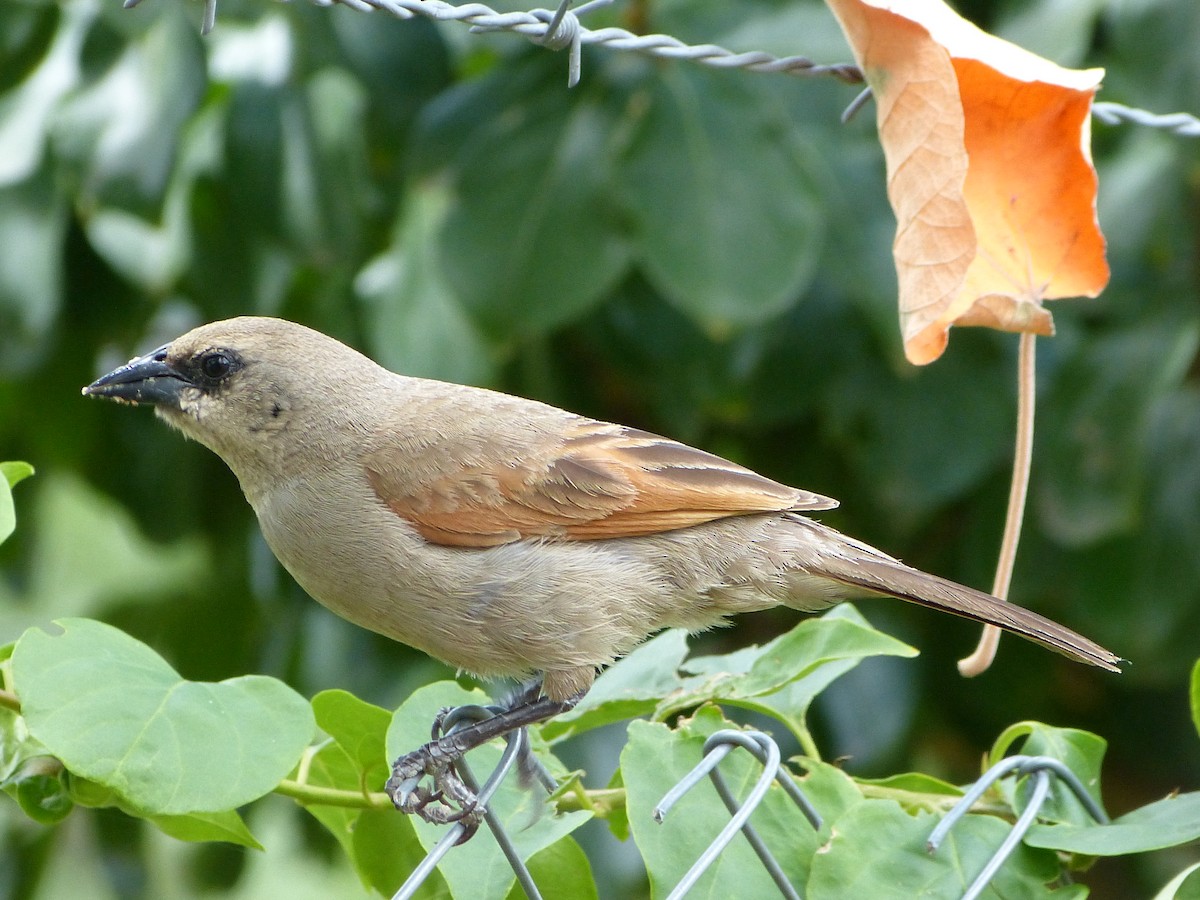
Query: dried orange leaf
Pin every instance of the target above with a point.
(989, 171)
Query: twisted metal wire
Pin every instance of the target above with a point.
(1180, 124)
(561, 29)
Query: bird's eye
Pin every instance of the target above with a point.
(215, 365)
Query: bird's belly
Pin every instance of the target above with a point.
(508, 610)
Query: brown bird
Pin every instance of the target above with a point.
(501, 535)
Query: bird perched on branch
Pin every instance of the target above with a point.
(502, 535)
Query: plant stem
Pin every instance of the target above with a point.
(601, 803)
(979, 661)
(8, 700)
(807, 745)
(315, 795)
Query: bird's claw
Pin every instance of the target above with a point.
(448, 801)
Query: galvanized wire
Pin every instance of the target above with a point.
(716, 748)
(1043, 769)
(561, 29)
(518, 746)
(1180, 124)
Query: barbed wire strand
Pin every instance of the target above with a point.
(1180, 124)
(716, 748)
(1043, 769)
(561, 29)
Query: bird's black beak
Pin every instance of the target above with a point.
(148, 379)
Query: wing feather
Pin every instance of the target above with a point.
(595, 481)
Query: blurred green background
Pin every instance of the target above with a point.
(701, 254)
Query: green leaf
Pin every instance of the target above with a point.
(477, 870)
(877, 850)
(1184, 886)
(26, 110)
(629, 688)
(729, 241)
(224, 826)
(15, 472)
(618, 819)
(88, 552)
(1091, 467)
(128, 159)
(28, 773)
(92, 794)
(360, 728)
(12, 472)
(332, 767)
(830, 790)
(561, 870)
(386, 851)
(783, 677)
(33, 226)
(419, 326)
(380, 844)
(892, 439)
(916, 783)
(26, 33)
(654, 760)
(1080, 751)
(778, 678)
(116, 713)
(1167, 823)
(810, 645)
(534, 238)
(37, 785)
(1194, 695)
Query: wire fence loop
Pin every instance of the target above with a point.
(517, 748)
(1044, 770)
(716, 748)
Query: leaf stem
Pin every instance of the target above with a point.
(9, 700)
(315, 795)
(600, 803)
(808, 746)
(979, 661)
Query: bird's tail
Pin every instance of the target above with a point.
(881, 574)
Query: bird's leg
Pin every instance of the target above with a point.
(437, 759)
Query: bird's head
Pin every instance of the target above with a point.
(236, 386)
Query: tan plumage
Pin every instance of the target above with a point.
(586, 481)
(503, 535)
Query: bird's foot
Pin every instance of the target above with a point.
(449, 799)
(435, 804)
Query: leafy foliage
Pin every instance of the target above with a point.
(115, 713)
(185, 756)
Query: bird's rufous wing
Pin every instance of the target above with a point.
(599, 481)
